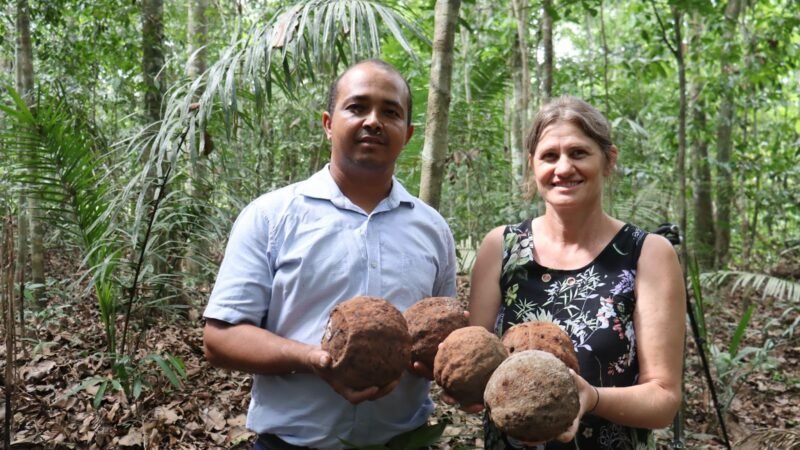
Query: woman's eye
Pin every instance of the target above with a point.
(548, 156)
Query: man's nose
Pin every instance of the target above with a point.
(371, 120)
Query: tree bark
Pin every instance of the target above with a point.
(547, 42)
(703, 232)
(153, 57)
(516, 138)
(725, 124)
(434, 150)
(677, 18)
(520, 114)
(29, 220)
(604, 42)
(197, 186)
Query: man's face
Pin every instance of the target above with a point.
(368, 125)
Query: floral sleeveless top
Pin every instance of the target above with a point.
(594, 304)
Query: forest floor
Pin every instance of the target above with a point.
(207, 411)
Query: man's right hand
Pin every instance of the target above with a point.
(320, 363)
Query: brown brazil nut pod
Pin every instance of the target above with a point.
(545, 336)
(430, 321)
(532, 396)
(368, 341)
(465, 361)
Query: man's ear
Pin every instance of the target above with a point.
(530, 160)
(409, 133)
(612, 160)
(326, 124)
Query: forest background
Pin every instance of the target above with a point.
(132, 132)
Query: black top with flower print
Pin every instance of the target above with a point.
(594, 305)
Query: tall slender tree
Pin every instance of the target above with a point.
(725, 122)
(703, 211)
(434, 151)
(30, 225)
(153, 58)
(547, 44)
(198, 186)
(520, 111)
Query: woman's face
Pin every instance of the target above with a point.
(569, 167)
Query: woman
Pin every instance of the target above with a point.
(616, 290)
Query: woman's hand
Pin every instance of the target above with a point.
(589, 397)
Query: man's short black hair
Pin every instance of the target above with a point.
(333, 91)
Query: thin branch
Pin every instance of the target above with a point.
(672, 49)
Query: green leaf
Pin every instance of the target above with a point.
(166, 369)
(101, 392)
(736, 339)
(423, 436)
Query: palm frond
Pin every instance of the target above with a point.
(767, 285)
(771, 438)
(290, 50)
(55, 158)
(646, 208)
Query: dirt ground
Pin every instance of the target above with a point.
(207, 410)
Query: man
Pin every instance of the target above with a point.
(293, 254)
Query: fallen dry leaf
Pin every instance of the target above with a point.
(133, 438)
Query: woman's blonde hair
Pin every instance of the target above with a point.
(577, 112)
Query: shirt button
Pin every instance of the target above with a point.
(373, 264)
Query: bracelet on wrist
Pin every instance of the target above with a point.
(596, 402)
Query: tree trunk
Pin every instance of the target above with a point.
(677, 17)
(516, 138)
(724, 134)
(547, 42)
(197, 186)
(520, 114)
(29, 220)
(703, 233)
(153, 57)
(604, 42)
(434, 150)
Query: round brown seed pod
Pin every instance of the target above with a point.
(368, 341)
(430, 321)
(545, 336)
(532, 397)
(465, 361)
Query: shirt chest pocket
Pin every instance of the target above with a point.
(409, 274)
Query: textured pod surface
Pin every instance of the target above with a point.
(465, 361)
(532, 396)
(545, 336)
(430, 321)
(368, 340)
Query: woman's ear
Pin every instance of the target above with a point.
(612, 160)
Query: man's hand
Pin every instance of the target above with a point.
(320, 363)
(420, 369)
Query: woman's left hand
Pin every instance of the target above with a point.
(589, 397)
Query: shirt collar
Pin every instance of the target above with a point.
(322, 186)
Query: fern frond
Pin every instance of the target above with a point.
(767, 285)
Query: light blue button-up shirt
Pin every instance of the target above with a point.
(295, 253)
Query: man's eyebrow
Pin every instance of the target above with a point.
(364, 98)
